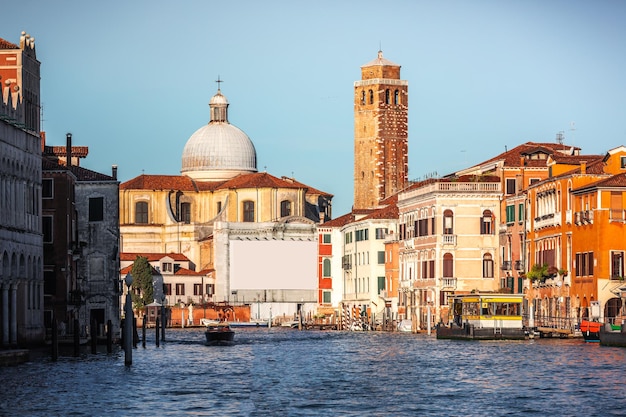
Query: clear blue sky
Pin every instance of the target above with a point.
(132, 79)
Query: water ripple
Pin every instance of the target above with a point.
(284, 372)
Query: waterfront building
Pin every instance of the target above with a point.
(517, 168)
(176, 279)
(365, 287)
(330, 251)
(381, 108)
(81, 237)
(576, 240)
(257, 232)
(447, 244)
(21, 245)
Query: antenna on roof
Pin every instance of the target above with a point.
(559, 137)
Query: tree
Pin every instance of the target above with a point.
(142, 281)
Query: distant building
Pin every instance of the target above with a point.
(21, 246)
(81, 239)
(175, 279)
(256, 232)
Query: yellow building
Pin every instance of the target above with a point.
(219, 202)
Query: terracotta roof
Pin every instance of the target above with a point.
(4, 44)
(185, 183)
(185, 271)
(310, 190)
(512, 157)
(77, 151)
(151, 257)
(389, 212)
(613, 181)
(82, 174)
(339, 221)
(159, 182)
(128, 269)
(262, 180)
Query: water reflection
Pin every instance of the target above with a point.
(284, 372)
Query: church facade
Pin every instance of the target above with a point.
(245, 226)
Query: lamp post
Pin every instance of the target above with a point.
(128, 323)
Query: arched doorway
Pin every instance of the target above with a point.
(612, 309)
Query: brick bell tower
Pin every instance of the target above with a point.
(380, 133)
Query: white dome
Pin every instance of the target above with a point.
(219, 150)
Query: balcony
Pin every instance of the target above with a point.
(506, 265)
(448, 239)
(548, 220)
(448, 283)
(617, 215)
(583, 217)
(519, 265)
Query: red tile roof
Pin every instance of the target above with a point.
(185, 271)
(82, 174)
(389, 212)
(339, 221)
(184, 183)
(614, 181)
(152, 257)
(4, 44)
(512, 157)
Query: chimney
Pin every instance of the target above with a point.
(583, 167)
(114, 171)
(68, 150)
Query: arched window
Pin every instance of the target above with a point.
(248, 211)
(396, 97)
(371, 97)
(363, 97)
(487, 266)
(448, 265)
(326, 268)
(285, 208)
(448, 223)
(387, 96)
(141, 212)
(486, 223)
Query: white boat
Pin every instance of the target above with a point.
(405, 326)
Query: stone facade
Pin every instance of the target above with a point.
(21, 253)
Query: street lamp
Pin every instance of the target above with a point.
(128, 323)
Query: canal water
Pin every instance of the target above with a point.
(284, 372)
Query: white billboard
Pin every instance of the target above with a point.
(273, 265)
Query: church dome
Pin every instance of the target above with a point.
(218, 151)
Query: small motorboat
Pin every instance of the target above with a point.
(219, 333)
(590, 330)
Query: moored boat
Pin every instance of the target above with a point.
(219, 333)
(484, 317)
(612, 335)
(590, 330)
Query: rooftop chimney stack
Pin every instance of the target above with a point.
(68, 151)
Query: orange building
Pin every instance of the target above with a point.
(575, 240)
